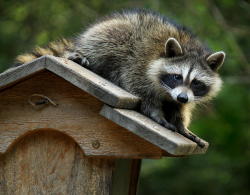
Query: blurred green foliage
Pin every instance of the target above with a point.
(223, 25)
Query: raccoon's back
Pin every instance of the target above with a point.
(121, 46)
(138, 34)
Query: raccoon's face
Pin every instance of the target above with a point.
(186, 82)
(187, 78)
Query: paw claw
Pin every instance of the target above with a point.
(77, 58)
(192, 137)
(201, 144)
(84, 61)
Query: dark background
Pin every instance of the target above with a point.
(225, 123)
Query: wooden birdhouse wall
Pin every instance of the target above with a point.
(49, 162)
(77, 115)
(50, 149)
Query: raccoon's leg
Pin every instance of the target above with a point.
(155, 112)
(194, 138)
(77, 58)
(183, 131)
(191, 136)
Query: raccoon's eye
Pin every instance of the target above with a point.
(196, 83)
(177, 77)
(199, 88)
(171, 80)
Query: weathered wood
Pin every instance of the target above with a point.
(147, 129)
(75, 74)
(15, 74)
(49, 162)
(91, 83)
(76, 115)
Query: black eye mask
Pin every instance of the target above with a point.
(199, 88)
(171, 80)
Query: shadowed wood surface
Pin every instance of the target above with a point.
(76, 115)
(126, 176)
(146, 128)
(48, 162)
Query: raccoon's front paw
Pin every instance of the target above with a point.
(77, 58)
(191, 136)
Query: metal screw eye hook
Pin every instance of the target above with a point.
(42, 101)
(96, 144)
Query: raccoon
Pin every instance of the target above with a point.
(151, 57)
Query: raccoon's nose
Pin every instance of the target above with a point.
(182, 97)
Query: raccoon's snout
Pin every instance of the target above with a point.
(182, 97)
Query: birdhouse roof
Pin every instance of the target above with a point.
(119, 105)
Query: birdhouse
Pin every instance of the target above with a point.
(66, 130)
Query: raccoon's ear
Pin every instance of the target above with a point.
(216, 60)
(172, 48)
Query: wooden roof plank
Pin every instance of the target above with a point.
(15, 74)
(91, 83)
(151, 131)
(75, 74)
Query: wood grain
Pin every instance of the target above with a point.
(151, 131)
(76, 115)
(48, 162)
